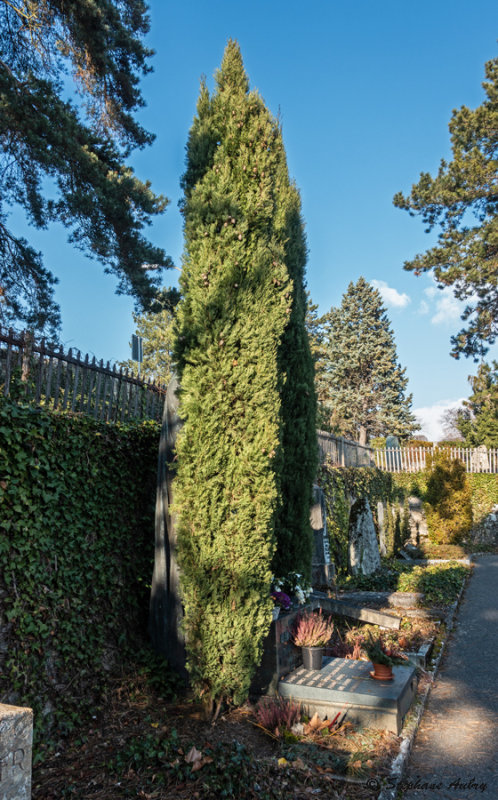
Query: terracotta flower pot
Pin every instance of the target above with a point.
(381, 672)
(312, 657)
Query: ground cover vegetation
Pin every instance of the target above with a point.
(76, 557)
(247, 447)
(151, 742)
(439, 583)
(461, 201)
(78, 147)
(361, 385)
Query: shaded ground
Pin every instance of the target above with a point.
(454, 755)
(145, 746)
(142, 747)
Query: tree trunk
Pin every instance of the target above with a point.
(363, 436)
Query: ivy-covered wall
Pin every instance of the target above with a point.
(484, 490)
(76, 553)
(343, 485)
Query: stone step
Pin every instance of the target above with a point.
(346, 685)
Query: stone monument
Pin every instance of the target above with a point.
(322, 570)
(363, 554)
(16, 739)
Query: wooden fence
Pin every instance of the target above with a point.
(413, 459)
(48, 377)
(342, 452)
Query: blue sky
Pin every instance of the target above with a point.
(365, 92)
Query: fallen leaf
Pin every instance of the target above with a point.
(193, 755)
(282, 762)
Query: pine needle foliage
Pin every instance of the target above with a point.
(76, 147)
(366, 384)
(460, 201)
(238, 297)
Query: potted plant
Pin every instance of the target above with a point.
(280, 601)
(383, 657)
(312, 631)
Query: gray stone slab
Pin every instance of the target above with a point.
(16, 739)
(346, 684)
(364, 614)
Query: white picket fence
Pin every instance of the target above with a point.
(413, 459)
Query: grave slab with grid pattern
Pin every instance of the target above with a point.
(347, 684)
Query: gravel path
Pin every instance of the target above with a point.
(455, 754)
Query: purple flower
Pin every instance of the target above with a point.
(281, 599)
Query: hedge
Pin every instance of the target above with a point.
(76, 510)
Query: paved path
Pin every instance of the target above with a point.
(455, 754)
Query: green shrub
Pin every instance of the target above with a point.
(448, 499)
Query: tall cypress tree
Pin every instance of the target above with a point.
(299, 441)
(366, 383)
(238, 297)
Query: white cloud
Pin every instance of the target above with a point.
(443, 305)
(429, 418)
(448, 309)
(390, 296)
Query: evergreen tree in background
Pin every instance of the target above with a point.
(478, 421)
(466, 256)
(80, 150)
(156, 330)
(366, 384)
(316, 335)
(242, 226)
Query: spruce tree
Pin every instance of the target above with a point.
(366, 384)
(244, 247)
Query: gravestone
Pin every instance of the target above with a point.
(480, 460)
(344, 685)
(393, 457)
(486, 532)
(363, 553)
(417, 520)
(166, 611)
(322, 570)
(381, 519)
(16, 739)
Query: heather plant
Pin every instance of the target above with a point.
(312, 629)
(277, 713)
